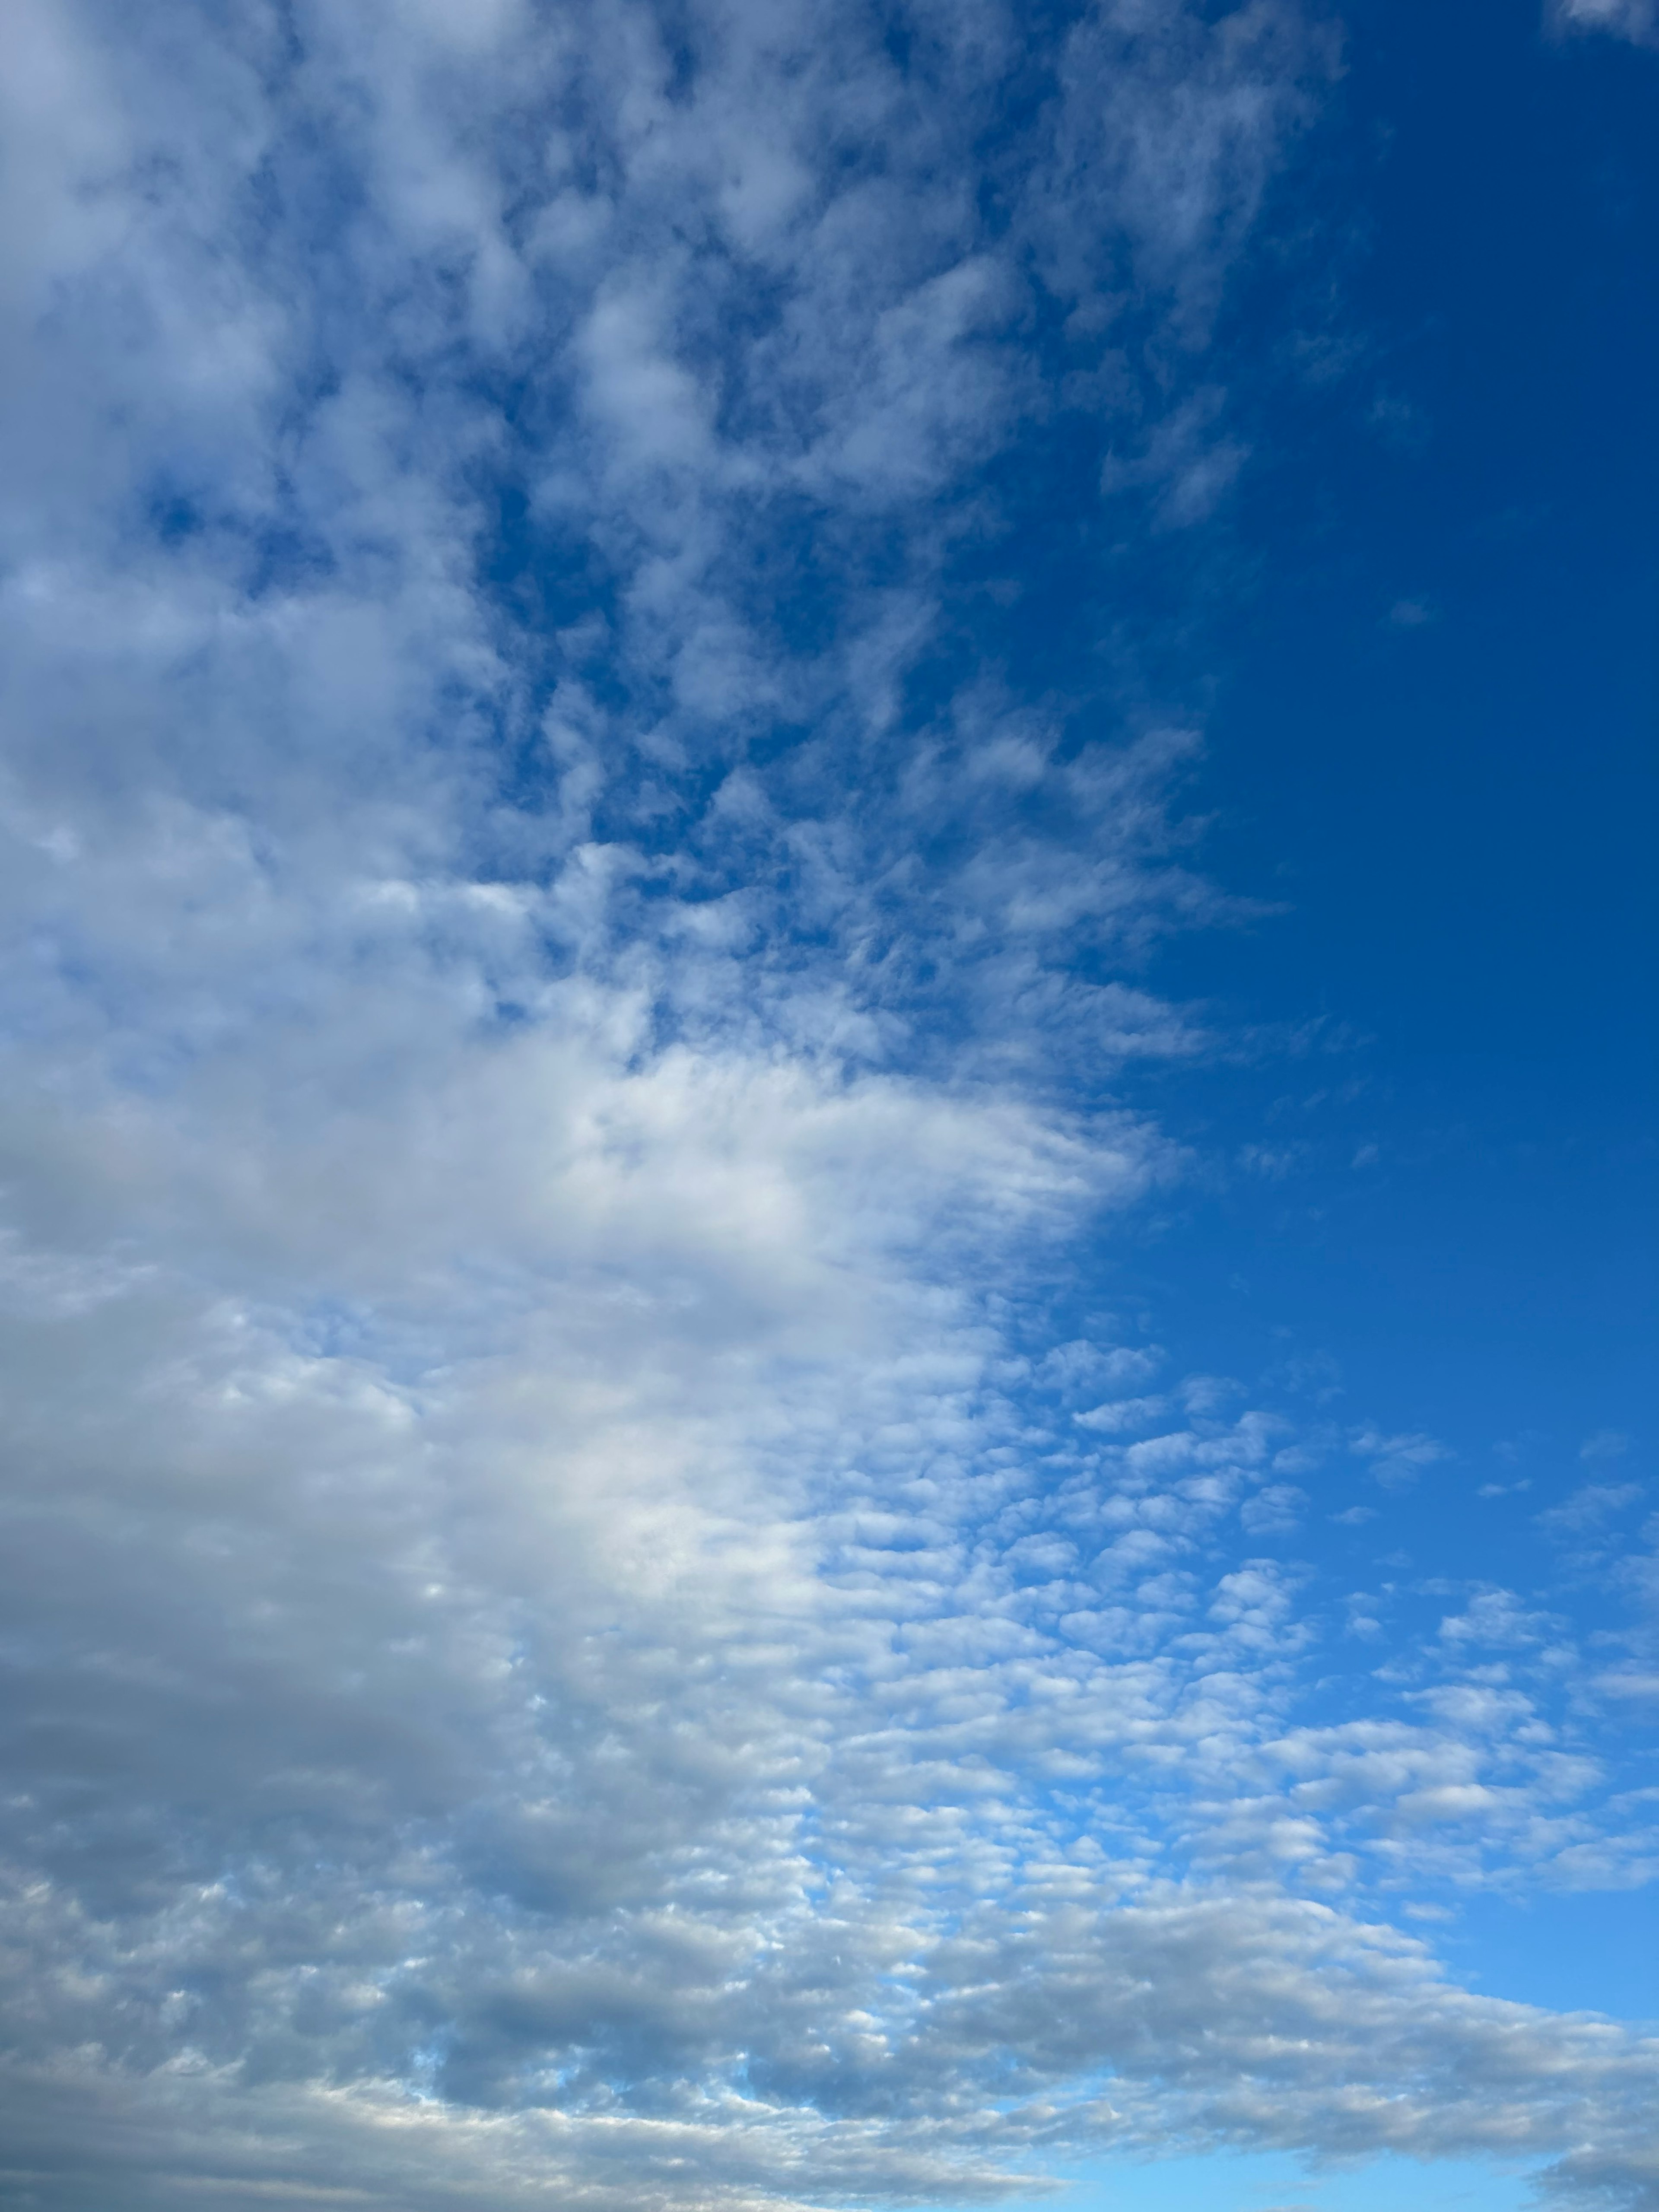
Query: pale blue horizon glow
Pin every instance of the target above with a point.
(1239, 2181)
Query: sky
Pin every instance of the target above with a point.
(829, 1179)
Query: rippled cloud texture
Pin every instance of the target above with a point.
(577, 1631)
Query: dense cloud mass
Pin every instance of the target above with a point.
(576, 1631)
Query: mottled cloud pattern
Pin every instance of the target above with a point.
(574, 1634)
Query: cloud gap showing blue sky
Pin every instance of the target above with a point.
(828, 1214)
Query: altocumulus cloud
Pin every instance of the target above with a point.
(569, 1637)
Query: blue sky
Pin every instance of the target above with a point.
(828, 1263)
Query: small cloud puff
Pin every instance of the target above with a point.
(1083, 1365)
(1498, 1618)
(1120, 1415)
(1185, 465)
(1588, 1508)
(1274, 1511)
(1606, 1443)
(1397, 1460)
(1635, 20)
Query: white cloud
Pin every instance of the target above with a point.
(555, 1652)
(1606, 1443)
(1635, 20)
(1275, 1510)
(1397, 1460)
(1588, 1508)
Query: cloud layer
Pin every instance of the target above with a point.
(577, 1630)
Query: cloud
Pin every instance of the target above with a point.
(1495, 1616)
(572, 1637)
(1606, 1443)
(1411, 614)
(1273, 1511)
(1397, 1460)
(1635, 20)
(1189, 467)
(1589, 1507)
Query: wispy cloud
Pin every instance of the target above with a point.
(1635, 20)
